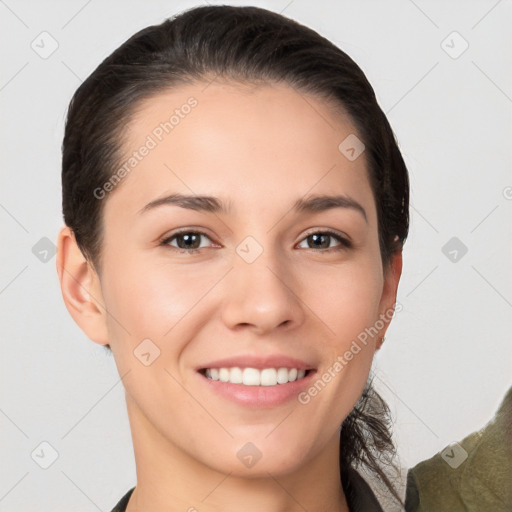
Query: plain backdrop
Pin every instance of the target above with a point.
(442, 73)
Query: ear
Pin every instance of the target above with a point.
(389, 290)
(81, 288)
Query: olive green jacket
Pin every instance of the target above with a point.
(474, 475)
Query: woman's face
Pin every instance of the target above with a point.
(252, 281)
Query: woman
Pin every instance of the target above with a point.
(235, 207)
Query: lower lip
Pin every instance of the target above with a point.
(263, 397)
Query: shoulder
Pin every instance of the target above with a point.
(471, 475)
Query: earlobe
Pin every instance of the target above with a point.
(80, 287)
(380, 342)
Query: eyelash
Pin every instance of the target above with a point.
(343, 242)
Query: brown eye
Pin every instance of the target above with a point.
(319, 240)
(187, 241)
(323, 240)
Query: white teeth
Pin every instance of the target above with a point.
(269, 376)
(236, 376)
(282, 376)
(251, 377)
(255, 377)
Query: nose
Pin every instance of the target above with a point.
(262, 295)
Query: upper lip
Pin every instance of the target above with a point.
(261, 362)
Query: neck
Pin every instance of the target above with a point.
(169, 479)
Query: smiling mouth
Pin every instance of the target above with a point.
(255, 377)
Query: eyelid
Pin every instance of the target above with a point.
(168, 237)
(328, 231)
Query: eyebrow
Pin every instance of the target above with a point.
(210, 204)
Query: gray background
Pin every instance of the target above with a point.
(445, 365)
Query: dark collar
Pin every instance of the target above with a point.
(123, 502)
(359, 495)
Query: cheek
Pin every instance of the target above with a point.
(150, 297)
(347, 298)
(347, 301)
(349, 306)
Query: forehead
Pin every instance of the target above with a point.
(248, 144)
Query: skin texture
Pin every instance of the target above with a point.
(261, 148)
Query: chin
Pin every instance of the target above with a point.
(257, 459)
(261, 469)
